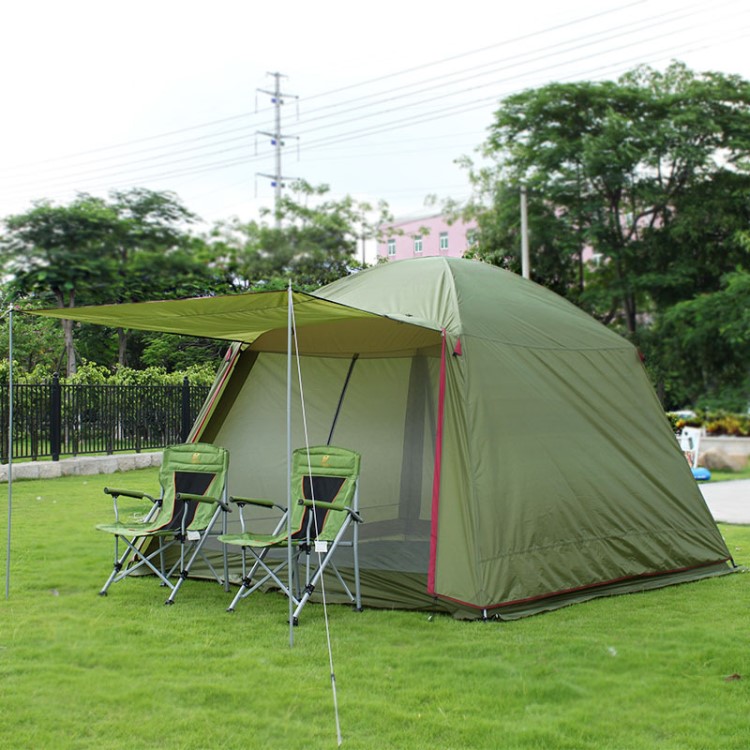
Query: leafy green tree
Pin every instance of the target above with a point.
(553, 242)
(701, 243)
(626, 168)
(704, 347)
(151, 247)
(36, 342)
(137, 245)
(57, 251)
(316, 244)
(133, 246)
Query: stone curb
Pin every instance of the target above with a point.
(80, 466)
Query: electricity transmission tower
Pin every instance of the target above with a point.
(277, 141)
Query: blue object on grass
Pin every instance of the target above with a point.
(701, 474)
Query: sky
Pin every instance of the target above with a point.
(379, 100)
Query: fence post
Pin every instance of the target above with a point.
(55, 418)
(185, 421)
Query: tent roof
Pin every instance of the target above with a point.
(390, 308)
(260, 319)
(471, 298)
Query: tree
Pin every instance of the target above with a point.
(316, 244)
(132, 247)
(153, 252)
(136, 245)
(704, 345)
(554, 243)
(57, 250)
(624, 168)
(36, 342)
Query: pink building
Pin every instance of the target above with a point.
(422, 236)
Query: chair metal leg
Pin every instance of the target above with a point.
(119, 562)
(357, 585)
(184, 572)
(225, 554)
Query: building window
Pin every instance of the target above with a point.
(391, 247)
(443, 241)
(418, 244)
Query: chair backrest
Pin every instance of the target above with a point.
(327, 473)
(195, 468)
(690, 441)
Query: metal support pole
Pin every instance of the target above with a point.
(10, 448)
(290, 322)
(525, 265)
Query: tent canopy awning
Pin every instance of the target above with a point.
(259, 318)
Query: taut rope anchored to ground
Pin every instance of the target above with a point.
(315, 521)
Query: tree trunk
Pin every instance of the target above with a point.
(580, 268)
(122, 347)
(67, 326)
(630, 312)
(70, 354)
(661, 392)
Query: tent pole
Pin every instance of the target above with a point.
(289, 461)
(341, 397)
(436, 471)
(10, 448)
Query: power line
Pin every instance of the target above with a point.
(202, 158)
(461, 55)
(333, 92)
(511, 61)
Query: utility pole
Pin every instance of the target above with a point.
(363, 237)
(525, 264)
(277, 141)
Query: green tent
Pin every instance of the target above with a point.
(514, 456)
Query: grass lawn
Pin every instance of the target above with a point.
(723, 476)
(663, 669)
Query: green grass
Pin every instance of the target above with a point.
(633, 672)
(723, 476)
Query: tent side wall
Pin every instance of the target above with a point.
(578, 483)
(387, 414)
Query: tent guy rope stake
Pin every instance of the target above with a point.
(339, 738)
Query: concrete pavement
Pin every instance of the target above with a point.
(729, 502)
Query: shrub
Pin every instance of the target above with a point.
(729, 424)
(714, 422)
(90, 373)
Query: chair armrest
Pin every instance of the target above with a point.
(187, 497)
(259, 501)
(130, 493)
(330, 506)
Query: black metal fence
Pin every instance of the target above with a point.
(55, 419)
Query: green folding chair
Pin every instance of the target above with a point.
(325, 501)
(193, 496)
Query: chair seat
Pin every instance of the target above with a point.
(133, 529)
(254, 540)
